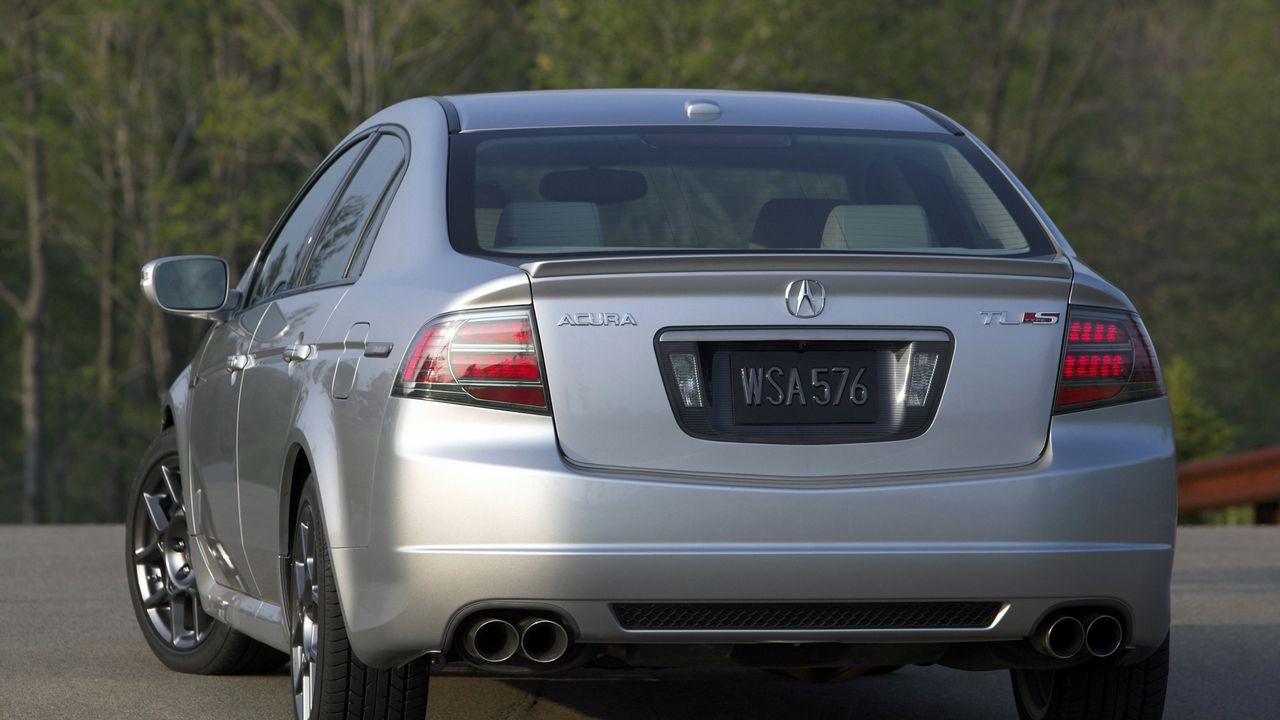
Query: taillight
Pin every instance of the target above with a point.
(1107, 360)
(479, 358)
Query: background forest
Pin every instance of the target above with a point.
(132, 129)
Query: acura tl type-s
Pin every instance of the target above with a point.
(538, 382)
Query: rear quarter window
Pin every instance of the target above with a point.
(349, 220)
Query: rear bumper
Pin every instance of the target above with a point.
(461, 523)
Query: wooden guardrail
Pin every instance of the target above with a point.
(1247, 478)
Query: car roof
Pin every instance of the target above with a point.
(594, 108)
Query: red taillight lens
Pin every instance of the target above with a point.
(494, 366)
(480, 358)
(1108, 359)
(1093, 366)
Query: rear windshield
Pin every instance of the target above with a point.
(591, 191)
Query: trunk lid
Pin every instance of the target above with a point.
(608, 328)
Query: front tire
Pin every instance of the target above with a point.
(329, 681)
(162, 584)
(1100, 689)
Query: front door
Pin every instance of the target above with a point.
(214, 500)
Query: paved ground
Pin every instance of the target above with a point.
(70, 648)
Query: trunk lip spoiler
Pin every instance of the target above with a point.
(1058, 266)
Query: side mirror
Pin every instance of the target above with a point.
(191, 286)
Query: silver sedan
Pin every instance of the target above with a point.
(533, 382)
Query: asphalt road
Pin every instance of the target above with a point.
(70, 648)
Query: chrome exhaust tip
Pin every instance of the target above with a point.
(542, 640)
(1061, 636)
(491, 640)
(1103, 635)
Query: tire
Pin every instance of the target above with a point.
(1100, 689)
(162, 585)
(343, 687)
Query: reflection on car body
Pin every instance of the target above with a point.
(531, 382)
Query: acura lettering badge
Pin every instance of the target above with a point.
(806, 298)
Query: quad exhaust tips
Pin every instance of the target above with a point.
(1064, 636)
(491, 640)
(1061, 636)
(495, 641)
(1102, 635)
(543, 641)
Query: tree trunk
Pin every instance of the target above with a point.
(32, 311)
(107, 332)
(1002, 57)
(1044, 69)
(106, 307)
(106, 270)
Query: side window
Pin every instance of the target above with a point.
(284, 253)
(350, 217)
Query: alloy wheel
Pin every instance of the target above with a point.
(305, 591)
(162, 561)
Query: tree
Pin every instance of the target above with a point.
(28, 154)
(1198, 429)
(131, 129)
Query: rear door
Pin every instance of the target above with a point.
(295, 349)
(912, 365)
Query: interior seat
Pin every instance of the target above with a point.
(876, 227)
(791, 223)
(549, 224)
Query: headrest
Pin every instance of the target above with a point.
(549, 224)
(791, 223)
(602, 186)
(876, 227)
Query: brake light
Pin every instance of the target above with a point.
(478, 358)
(1107, 359)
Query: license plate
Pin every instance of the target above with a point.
(810, 388)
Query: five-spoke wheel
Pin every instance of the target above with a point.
(306, 614)
(162, 561)
(162, 578)
(329, 680)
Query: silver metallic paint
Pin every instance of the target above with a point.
(1089, 514)
(1093, 518)
(1056, 267)
(568, 108)
(583, 368)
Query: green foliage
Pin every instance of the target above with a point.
(1200, 433)
(1198, 429)
(1147, 129)
(1225, 183)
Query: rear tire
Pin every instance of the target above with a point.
(1100, 689)
(329, 681)
(162, 583)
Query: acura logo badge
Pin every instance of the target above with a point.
(806, 298)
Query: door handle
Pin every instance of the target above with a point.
(236, 363)
(298, 352)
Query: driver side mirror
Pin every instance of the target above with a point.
(190, 286)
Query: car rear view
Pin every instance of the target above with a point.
(782, 395)
(657, 379)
